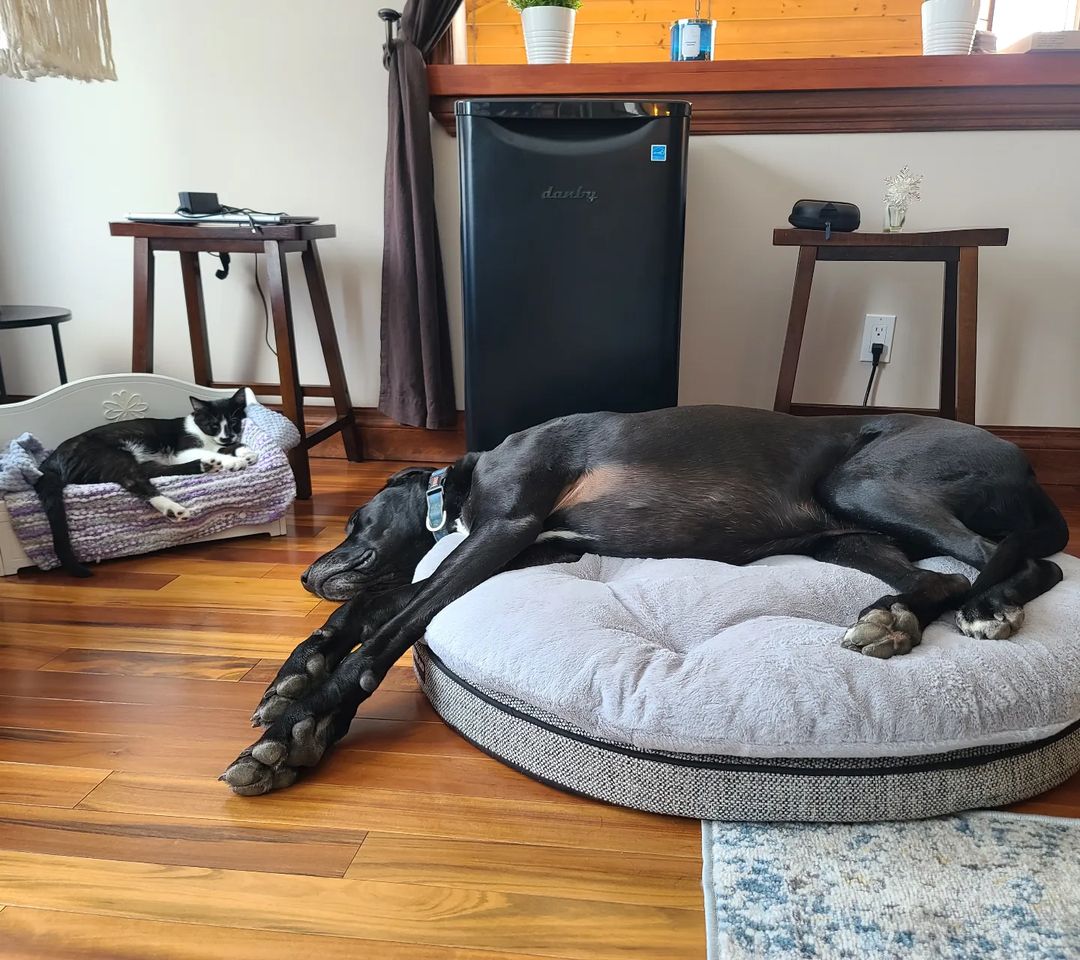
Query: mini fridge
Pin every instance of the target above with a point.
(572, 216)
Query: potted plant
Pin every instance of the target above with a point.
(549, 28)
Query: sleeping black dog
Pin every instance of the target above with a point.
(722, 483)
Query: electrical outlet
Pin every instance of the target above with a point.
(878, 328)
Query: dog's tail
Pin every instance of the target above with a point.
(1047, 533)
(50, 491)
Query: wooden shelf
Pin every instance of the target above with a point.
(1034, 91)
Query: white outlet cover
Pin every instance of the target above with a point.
(878, 327)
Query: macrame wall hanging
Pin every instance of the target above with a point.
(55, 38)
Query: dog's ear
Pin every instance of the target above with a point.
(408, 474)
(197, 404)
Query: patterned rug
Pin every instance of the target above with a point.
(982, 886)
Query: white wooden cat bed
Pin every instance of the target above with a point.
(77, 406)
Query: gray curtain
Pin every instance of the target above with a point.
(416, 386)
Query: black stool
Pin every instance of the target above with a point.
(11, 318)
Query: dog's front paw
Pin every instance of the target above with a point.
(298, 676)
(884, 633)
(274, 761)
(249, 456)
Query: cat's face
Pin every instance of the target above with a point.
(221, 419)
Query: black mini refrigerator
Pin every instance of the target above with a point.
(572, 215)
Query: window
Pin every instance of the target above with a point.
(1015, 19)
(628, 31)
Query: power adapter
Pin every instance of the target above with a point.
(199, 204)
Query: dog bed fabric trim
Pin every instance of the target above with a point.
(835, 789)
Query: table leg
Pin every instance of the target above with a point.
(196, 317)
(967, 310)
(800, 303)
(60, 365)
(947, 400)
(281, 310)
(142, 342)
(324, 322)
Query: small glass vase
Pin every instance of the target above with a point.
(895, 215)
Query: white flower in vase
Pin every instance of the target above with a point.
(901, 190)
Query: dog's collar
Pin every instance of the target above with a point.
(436, 505)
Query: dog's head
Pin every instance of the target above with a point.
(384, 541)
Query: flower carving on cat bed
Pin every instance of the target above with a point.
(125, 405)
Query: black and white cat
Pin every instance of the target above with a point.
(131, 452)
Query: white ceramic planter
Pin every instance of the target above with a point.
(549, 33)
(948, 26)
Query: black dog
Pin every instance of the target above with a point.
(719, 483)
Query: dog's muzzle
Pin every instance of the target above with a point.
(338, 576)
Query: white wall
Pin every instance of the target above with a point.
(273, 104)
(282, 105)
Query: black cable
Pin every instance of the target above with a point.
(876, 350)
(266, 312)
(236, 211)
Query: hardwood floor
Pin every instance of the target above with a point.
(124, 696)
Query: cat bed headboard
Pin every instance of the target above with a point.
(105, 521)
(74, 407)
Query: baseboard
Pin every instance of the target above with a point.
(383, 439)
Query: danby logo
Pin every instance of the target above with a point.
(578, 193)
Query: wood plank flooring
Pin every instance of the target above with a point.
(122, 698)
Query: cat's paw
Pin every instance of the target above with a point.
(232, 464)
(248, 455)
(212, 463)
(170, 509)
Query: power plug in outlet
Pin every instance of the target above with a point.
(878, 328)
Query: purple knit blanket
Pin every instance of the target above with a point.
(107, 522)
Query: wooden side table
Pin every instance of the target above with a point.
(189, 240)
(15, 318)
(957, 249)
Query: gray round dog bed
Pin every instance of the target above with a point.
(707, 690)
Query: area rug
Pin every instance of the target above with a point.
(981, 886)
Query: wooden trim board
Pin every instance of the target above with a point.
(822, 95)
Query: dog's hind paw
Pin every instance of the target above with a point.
(884, 633)
(985, 620)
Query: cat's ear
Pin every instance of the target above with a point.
(240, 398)
(197, 404)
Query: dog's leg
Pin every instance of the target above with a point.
(300, 737)
(354, 622)
(893, 624)
(549, 551)
(998, 613)
(313, 660)
(916, 518)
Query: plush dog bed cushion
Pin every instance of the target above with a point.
(695, 659)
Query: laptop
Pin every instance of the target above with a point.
(241, 219)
